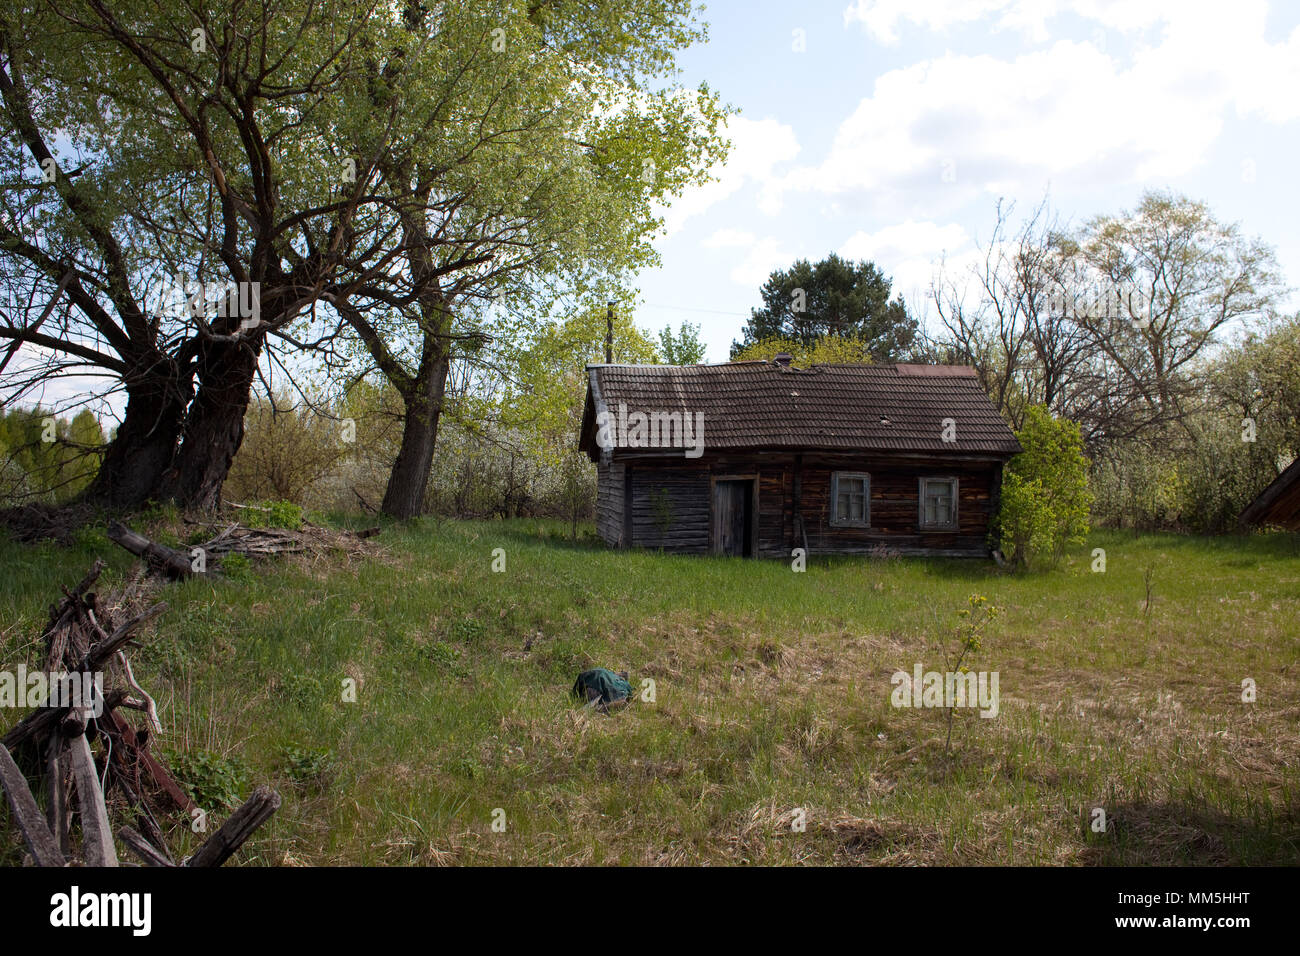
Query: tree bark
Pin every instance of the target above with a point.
(138, 458)
(409, 480)
(214, 427)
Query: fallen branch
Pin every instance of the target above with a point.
(142, 848)
(160, 557)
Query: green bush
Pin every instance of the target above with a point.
(278, 514)
(1045, 495)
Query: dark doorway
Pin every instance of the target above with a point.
(733, 510)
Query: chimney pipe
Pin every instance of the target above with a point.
(783, 359)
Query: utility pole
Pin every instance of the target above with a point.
(609, 333)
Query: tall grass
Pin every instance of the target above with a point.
(771, 738)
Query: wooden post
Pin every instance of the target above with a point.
(609, 334)
(56, 782)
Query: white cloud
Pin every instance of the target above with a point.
(761, 256)
(943, 130)
(910, 252)
(882, 17)
(758, 146)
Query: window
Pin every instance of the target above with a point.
(850, 499)
(938, 504)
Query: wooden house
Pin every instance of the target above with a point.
(1279, 503)
(760, 458)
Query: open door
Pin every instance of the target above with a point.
(733, 512)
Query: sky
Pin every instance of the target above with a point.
(888, 130)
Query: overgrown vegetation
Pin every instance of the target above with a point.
(1045, 496)
(771, 695)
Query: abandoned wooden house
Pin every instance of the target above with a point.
(759, 458)
(1279, 503)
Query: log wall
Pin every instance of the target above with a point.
(670, 506)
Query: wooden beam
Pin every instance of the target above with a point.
(57, 786)
(142, 848)
(96, 836)
(40, 841)
(221, 846)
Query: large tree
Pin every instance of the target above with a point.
(834, 297)
(551, 186)
(213, 149)
(355, 169)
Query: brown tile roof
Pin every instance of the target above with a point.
(833, 407)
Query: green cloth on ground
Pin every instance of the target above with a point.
(608, 685)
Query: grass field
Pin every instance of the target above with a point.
(771, 738)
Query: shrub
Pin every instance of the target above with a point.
(1045, 496)
(213, 781)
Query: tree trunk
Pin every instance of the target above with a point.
(409, 480)
(214, 428)
(138, 457)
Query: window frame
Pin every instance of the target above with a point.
(921, 523)
(843, 522)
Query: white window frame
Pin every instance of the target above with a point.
(922, 524)
(837, 521)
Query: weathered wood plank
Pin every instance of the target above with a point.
(57, 784)
(142, 848)
(96, 835)
(221, 846)
(31, 824)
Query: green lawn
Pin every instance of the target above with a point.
(772, 702)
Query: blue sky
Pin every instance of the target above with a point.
(896, 128)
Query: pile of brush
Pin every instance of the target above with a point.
(82, 742)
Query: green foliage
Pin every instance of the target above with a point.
(824, 350)
(46, 458)
(444, 656)
(213, 781)
(237, 567)
(1045, 494)
(682, 348)
(306, 767)
(835, 297)
(277, 514)
(972, 622)
(288, 449)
